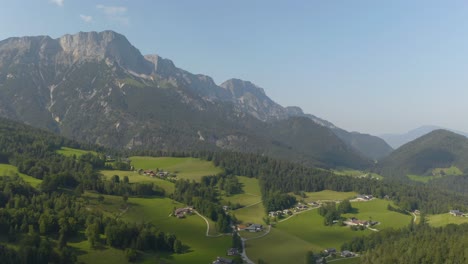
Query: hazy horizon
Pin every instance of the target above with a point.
(372, 67)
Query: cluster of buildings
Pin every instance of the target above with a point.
(344, 253)
(279, 213)
(356, 222)
(230, 252)
(151, 173)
(299, 207)
(181, 212)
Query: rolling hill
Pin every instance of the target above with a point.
(438, 149)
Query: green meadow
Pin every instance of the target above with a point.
(71, 151)
(251, 192)
(357, 174)
(437, 173)
(445, 219)
(291, 239)
(376, 210)
(185, 168)
(134, 176)
(10, 170)
(326, 195)
(191, 230)
(251, 200)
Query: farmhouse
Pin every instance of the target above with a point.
(181, 212)
(254, 228)
(220, 260)
(330, 251)
(163, 174)
(347, 254)
(356, 222)
(276, 213)
(241, 227)
(301, 207)
(149, 173)
(233, 252)
(456, 213)
(364, 197)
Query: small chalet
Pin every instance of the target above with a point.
(330, 251)
(347, 254)
(254, 228)
(456, 213)
(220, 260)
(364, 197)
(163, 174)
(149, 173)
(181, 212)
(356, 222)
(301, 207)
(233, 252)
(241, 227)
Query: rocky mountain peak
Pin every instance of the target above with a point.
(110, 45)
(239, 88)
(161, 65)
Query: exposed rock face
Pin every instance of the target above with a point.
(82, 85)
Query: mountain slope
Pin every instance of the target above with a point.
(397, 140)
(438, 149)
(97, 87)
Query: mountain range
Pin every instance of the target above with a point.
(98, 88)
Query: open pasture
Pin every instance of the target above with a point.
(185, 168)
(69, 152)
(190, 230)
(10, 170)
(134, 177)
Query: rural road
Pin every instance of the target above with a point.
(244, 253)
(207, 225)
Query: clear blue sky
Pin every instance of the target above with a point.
(370, 66)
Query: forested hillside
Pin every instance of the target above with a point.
(41, 221)
(438, 149)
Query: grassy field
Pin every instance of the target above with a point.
(251, 214)
(437, 173)
(326, 195)
(445, 219)
(71, 151)
(376, 210)
(135, 177)
(191, 230)
(185, 168)
(10, 170)
(253, 210)
(357, 174)
(290, 240)
(278, 247)
(251, 194)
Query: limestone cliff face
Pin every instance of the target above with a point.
(97, 86)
